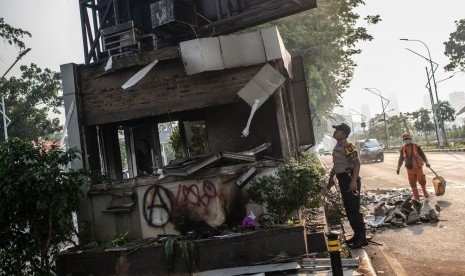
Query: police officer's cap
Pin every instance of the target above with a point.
(344, 128)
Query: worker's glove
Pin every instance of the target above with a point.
(398, 171)
(428, 165)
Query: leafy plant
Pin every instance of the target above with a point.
(119, 240)
(189, 253)
(294, 185)
(38, 198)
(169, 253)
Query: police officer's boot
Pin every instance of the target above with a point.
(353, 238)
(359, 241)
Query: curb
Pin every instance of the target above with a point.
(365, 266)
(444, 150)
(434, 150)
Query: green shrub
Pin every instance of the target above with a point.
(38, 198)
(294, 185)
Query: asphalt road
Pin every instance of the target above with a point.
(425, 248)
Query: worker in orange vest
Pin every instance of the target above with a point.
(414, 158)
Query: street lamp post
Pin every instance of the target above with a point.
(384, 104)
(363, 119)
(436, 112)
(433, 107)
(3, 111)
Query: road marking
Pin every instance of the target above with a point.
(459, 186)
(391, 259)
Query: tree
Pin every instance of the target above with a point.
(29, 100)
(405, 122)
(422, 121)
(446, 112)
(455, 48)
(376, 127)
(12, 35)
(395, 126)
(326, 38)
(197, 145)
(38, 198)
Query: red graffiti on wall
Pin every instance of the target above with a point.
(159, 201)
(192, 195)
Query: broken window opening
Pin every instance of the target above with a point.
(196, 138)
(179, 139)
(109, 152)
(145, 151)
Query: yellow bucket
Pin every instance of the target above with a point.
(439, 184)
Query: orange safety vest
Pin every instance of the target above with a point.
(415, 153)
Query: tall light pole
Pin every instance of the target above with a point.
(362, 118)
(436, 111)
(384, 104)
(3, 111)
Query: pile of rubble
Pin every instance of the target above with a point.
(398, 208)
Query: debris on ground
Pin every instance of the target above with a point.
(397, 208)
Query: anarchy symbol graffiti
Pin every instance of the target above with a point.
(157, 206)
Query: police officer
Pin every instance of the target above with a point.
(346, 167)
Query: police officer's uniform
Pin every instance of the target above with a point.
(343, 153)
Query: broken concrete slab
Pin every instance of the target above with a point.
(413, 217)
(398, 209)
(375, 221)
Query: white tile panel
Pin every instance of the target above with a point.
(231, 51)
(192, 58)
(211, 53)
(262, 85)
(253, 51)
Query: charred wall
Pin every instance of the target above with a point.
(165, 89)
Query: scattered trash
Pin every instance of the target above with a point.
(250, 222)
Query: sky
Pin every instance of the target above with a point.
(397, 73)
(384, 63)
(56, 33)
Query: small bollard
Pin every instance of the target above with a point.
(335, 253)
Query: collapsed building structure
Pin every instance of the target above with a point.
(241, 97)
